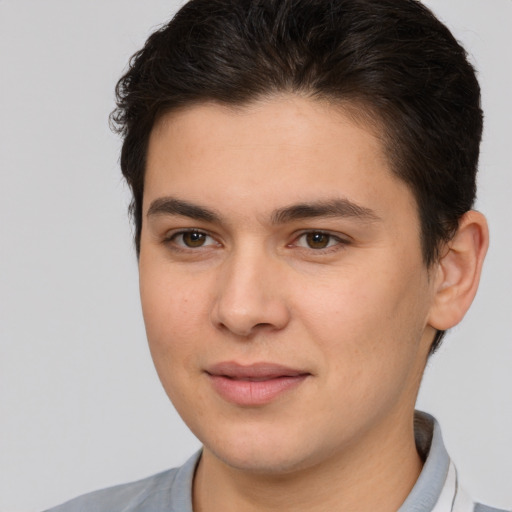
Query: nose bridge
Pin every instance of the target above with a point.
(249, 296)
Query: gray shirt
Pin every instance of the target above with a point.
(436, 490)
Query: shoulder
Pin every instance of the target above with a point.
(484, 508)
(130, 497)
(167, 491)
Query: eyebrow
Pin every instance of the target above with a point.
(173, 206)
(333, 208)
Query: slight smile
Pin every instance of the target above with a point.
(255, 384)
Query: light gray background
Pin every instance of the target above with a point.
(80, 404)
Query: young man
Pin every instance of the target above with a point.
(303, 174)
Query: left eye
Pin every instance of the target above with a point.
(317, 240)
(192, 239)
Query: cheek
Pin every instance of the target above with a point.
(373, 319)
(369, 346)
(174, 314)
(168, 297)
(176, 318)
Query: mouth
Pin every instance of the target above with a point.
(256, 384)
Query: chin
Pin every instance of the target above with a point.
(268, 454)
(259, 462)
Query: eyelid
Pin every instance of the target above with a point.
(171, 236)
(341, 240)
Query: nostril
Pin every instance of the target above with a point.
(245, 303)
(262, 325)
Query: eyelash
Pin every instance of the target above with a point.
(334, 242)
(171, 239)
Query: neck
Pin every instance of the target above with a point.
(376, 473)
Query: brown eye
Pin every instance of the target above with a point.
(193, 239)
(317, 240)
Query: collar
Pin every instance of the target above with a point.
(436, 490)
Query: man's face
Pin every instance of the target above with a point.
(283, 289)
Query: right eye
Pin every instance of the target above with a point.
(192, 239)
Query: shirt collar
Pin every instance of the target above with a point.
(423, 497)
(432, 479)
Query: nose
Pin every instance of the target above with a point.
(250, 297)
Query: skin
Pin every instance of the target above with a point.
(256, 284)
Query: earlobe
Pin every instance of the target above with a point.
(458, 271)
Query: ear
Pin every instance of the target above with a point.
(458, 271)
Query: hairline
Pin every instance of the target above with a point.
(356, 108)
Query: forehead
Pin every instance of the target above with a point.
(281, 150)
(297, 120)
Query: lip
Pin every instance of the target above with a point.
(254, 384)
